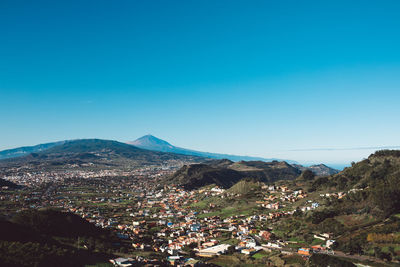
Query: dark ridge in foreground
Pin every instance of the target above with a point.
(32, 238)
(8, 184)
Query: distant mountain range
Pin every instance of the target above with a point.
(22, 151)
(107, 153)
(93, 153)
(151, 142)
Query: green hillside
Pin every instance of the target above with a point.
(359, 206)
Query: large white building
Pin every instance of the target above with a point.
(213, 251)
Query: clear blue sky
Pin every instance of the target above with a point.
(263, 78)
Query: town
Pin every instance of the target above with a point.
(169, 224)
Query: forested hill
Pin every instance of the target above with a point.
(377, 179)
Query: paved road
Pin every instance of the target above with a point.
(336, 253)
(357, 257)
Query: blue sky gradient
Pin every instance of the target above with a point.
(262, 78)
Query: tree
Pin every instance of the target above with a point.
(385, 194)
(298, 212)
(377, 251)
(319, 216)
(307, 175)
(354, 246)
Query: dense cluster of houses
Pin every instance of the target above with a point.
(160, 220)
(32, 177)
(178, 227)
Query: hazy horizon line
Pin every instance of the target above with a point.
(346, 148)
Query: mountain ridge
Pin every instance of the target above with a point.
(225, 174)
(318, 169)
(24, 150)
(151, 142)
(148, 143)
(95, 151)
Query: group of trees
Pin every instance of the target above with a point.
(331, 225)
(383, 255)
(319, 216)
(385, 194)
(354, 245)
(321, 260)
